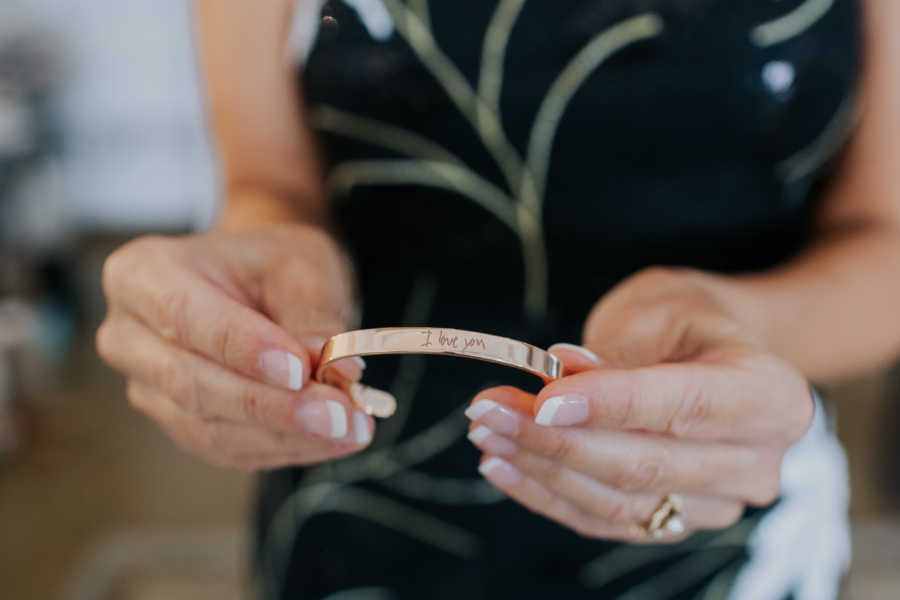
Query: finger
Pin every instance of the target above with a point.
(349, 369)
(201, 317)
(209, 391)
(309, 291)
(689, 400)
(575, 359)
(239, 445)
(632, 462)
(532, 495)
(602, 501)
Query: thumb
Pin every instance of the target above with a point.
(575, 359)
(311, 298)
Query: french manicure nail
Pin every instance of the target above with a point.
(499, 472)
(361, 428)
(491, 443)
(480, 408)
(328, 418)
(563, 410)
(347, 368)
(479, 434)
(496, 416)
(282, 368)
(579, 349)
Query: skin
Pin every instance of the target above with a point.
(693, 382)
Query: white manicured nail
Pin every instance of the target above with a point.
(360, 361)
(327, 419)
(338, 419)
(499, 472)
(579, 349)
(489, 442)
(491, 464)
(479, 434)
(282, 368)
(361, 428)
(480, 408)
(563, 410)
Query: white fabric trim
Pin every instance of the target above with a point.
(803, 544)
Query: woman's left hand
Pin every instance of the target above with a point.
(671, 395)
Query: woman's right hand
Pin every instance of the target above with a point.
(218, 335)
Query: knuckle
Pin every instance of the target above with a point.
(134, 396)
(730, 515)
(765, 490)
(321, 242)
(559, 447)
(250, 404)
(172, 309)
(554, 478)
(223, 342)
(119, 265)
(104, 340)
(114, 268)
(694, 410)
(623, 411)
(617, 403)
(179, 384)
(618, 510)
(641, 475)
(802, 413)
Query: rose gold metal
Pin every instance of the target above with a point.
(668, 518)
(437, 340)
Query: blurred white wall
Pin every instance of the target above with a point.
(137, 151)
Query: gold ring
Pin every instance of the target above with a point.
(668, 518)
(429, 340)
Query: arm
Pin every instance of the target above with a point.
(219, 334)
(833, 312)
(267, 157)
(695, 383)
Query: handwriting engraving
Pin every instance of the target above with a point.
(476, 343)
(446, 341)
(455, 342)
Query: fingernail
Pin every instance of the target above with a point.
(361, 428)
(348, 368)
(575, 348)
(328, 418)
(282, 368)
(563, 410)
(496, 416)
(491, 443)
(360, 362)
(499, 472)
(480, 408)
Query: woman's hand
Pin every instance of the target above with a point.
(671, 395)
(218, 335)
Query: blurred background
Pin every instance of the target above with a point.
(103, 138)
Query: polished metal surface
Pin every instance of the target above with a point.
(440, 340)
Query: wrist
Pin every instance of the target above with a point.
(248, 209)
(741, 300)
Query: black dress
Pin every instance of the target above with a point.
(498, 166)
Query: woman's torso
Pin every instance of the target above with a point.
(505, 189)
